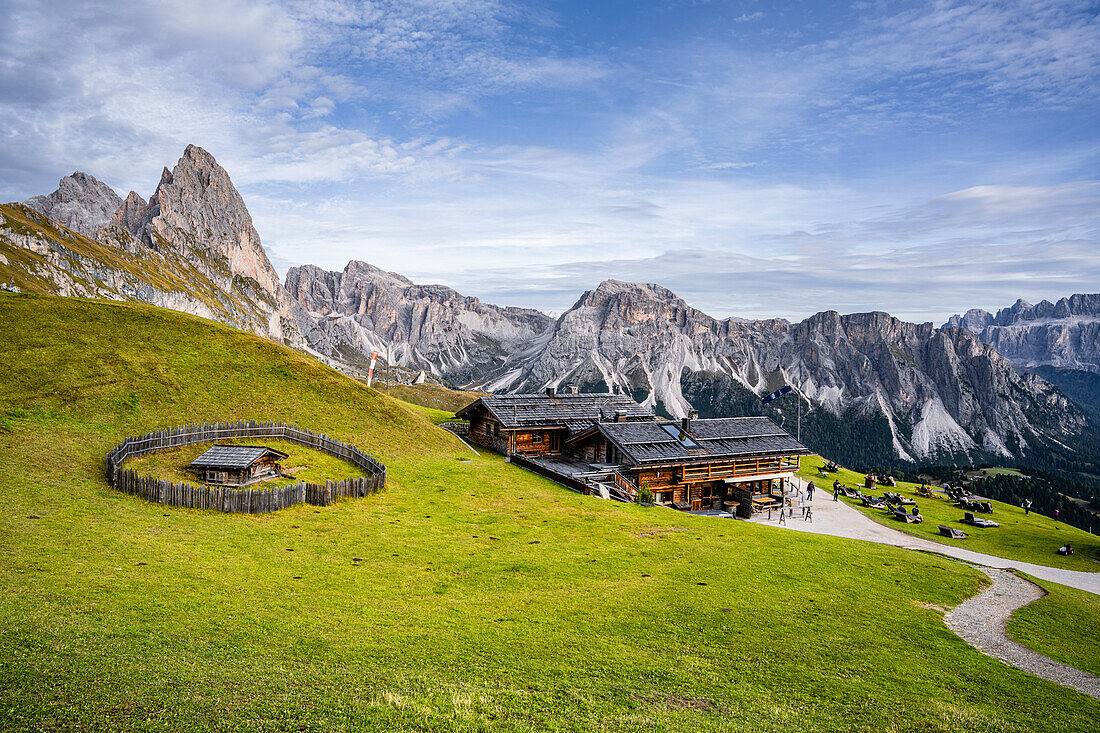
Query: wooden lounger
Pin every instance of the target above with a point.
(978, 521)
(955, 534)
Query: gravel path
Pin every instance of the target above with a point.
(981, 622)
(838, 519)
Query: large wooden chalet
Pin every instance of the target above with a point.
(737, 463)
(539, 424)
(612, 444)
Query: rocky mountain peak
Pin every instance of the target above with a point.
(974, 320)
(1063, 335)
(625, 303)
(197, 205)
(81, 202)
(362, 272)
(648, 291)
(133, 214)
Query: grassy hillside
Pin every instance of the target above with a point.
(431, 395)
(1032, 538)
(84, 265)
(469, 595)
(1061, 625)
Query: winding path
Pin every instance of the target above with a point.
(982, 620)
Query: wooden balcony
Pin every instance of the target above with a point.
(736, 469)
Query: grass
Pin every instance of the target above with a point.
(431, 395)
(466, 596)
(994, 472)
(1030, 538)
(305, 464)
(1062, 625)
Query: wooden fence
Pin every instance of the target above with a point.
(248, 500)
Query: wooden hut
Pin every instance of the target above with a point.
(742, 463)
(237, 465)
(538, 424)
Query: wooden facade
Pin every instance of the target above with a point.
(728, 464)
(532, 425)
(618, 447)
(486, 431)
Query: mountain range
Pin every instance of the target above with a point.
(870, 389)
(1058, 341)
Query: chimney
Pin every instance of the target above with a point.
(620, 415)
(685, 423)
(573, 389)
(551, 392)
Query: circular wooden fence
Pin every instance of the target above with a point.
(247, 501)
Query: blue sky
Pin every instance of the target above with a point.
(760, 159)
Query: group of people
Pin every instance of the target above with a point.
(836, 490)
(871, 479)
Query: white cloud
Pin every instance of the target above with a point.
(772, 182)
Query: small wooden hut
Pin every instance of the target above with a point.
(237, 465)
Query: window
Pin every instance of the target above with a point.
(662, 497)
(684, 438)
(536, 438)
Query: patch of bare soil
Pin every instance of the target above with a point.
(657, 531)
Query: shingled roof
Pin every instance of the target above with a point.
(707, 440)
(234, 456)
(573, 412)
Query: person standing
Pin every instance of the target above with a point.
(1055, 515)
(810, 491)
(1027, 507)
(836, 490)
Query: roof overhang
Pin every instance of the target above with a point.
(713, 458)
(214, 462)
(759, 477)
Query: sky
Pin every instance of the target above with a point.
(760, 159)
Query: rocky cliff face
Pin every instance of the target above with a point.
(190, 247)
(1065, 334)
(81, 203)
(939, 392)
(429, 327)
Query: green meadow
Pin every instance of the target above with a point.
(468, 595)
(1062, 625)
(1032, 538)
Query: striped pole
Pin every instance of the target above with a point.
(370, 372)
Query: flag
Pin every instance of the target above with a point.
(775, 395)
